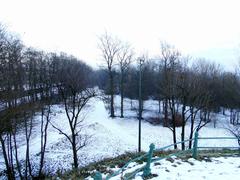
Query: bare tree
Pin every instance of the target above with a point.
(8, 136)
(28, 81)
(45, 119)
(5, 143)
(28, 126)
(183, 86)
(200, 96)
(75, 95)
(170, 59)
(110, 48)
(11, 78)
(73, 107)
(124, 60)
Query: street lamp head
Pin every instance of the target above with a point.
(141, 60)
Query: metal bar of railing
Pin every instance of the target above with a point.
(121, 169)
(222, 147)
(217, 138)
(134, 174)
(171, 145)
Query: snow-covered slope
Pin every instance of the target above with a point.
(110, 137)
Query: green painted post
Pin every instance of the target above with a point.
(97, 176)
(147, 170)
(195, 145)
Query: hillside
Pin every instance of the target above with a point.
(109, 137)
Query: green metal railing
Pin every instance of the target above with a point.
(149, 155)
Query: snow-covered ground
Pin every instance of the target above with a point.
(220, 168)
(216, 168)
(110, 137)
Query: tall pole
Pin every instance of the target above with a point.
(140, 104)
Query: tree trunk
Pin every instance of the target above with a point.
(238, 118)
(192, 126)
(159, 106)
(74, 149)
(16, 157)
(9, 170)
(231, 116)
(112, 96)
(121, 89)
(11, 154)
(183, 126)
(166, 113)
(28, 131)
(183, 136)
(174, 134)
(44, 128)
(174, 123)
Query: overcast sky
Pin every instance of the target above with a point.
(201, 28)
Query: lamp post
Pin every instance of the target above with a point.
(141, 61)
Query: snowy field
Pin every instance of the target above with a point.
(220, 168)
(110, 137)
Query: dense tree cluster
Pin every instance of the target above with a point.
(185, 86)
(31, 81)
(184, 78)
